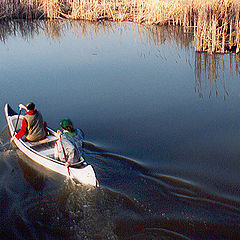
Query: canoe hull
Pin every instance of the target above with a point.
(83, 172)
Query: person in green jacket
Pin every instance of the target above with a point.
(70, 151)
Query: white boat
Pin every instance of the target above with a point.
(42, 152)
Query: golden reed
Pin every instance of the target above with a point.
(215, 23)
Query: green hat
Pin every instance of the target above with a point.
(65, 123)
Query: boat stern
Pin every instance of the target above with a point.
(85, 175)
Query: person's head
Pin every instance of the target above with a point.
(30, 106)
(66, 124)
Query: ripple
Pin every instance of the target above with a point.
(192, 191)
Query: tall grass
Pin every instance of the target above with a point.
(215, 23)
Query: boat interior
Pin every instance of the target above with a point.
(46, 146)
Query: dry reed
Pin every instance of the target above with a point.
(215, 23)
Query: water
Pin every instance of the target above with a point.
(161, 125)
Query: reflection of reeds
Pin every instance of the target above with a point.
(209, 69)
(216, 23)
(158, 36)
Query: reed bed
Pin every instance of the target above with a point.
(215, 23)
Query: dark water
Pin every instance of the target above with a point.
(161, 124)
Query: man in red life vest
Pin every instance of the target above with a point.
(33, 125)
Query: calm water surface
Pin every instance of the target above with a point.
(162, 126)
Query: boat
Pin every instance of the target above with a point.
(42, 152)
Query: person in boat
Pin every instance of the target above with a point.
(33, 126)
(69, 148)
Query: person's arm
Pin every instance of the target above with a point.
(21, 106)
(80, 133)
(23, 130)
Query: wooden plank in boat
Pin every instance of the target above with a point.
(47, 152)
(49, 138)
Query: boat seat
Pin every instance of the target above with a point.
(49, 138)
(47, 152)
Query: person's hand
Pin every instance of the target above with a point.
(59, 133)
(12, 138)
(67, 164)
(21, 106)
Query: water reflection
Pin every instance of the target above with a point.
(210, 72)
(32, 176)
(159, 35)
(209, 69)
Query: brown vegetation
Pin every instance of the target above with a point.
(215, 23)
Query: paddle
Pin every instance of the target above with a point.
(64, 154)
(17, 122)
(21, 106)
(16, 125)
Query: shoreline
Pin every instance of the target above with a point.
(214, 23)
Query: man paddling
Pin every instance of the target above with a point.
(69, 148)
(33, 125)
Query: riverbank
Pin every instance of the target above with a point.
(215, 23)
